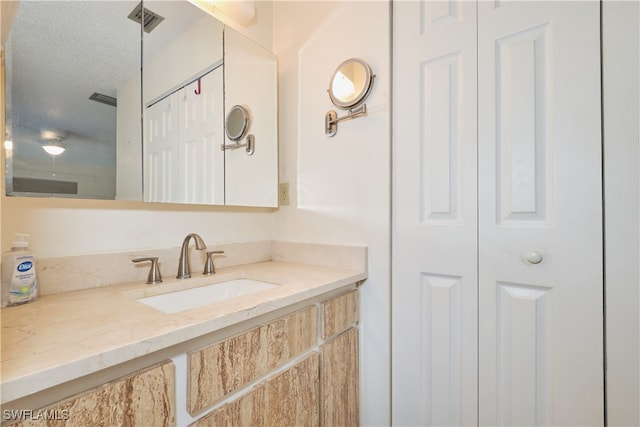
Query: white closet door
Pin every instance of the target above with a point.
(435, 214)
(201, 133)
(161, 151)
(182, 155)
(540, 324)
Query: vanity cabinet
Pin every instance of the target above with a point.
(289, 398)
(296, 367)
(143, 398)
(339, 314)
(339, 356)
(225, 367)
(321, 387)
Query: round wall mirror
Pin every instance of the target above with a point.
(351, 83)
(237, 123)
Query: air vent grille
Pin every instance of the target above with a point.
(151, 19)
(104, 99)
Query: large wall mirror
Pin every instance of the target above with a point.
(100, 106)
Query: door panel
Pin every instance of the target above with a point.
(201, 135)
(183, 159)
(161, 151)
(434, 230)
(540, 324)
(497, 237)
(521, 108)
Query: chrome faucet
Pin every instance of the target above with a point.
(183, 265)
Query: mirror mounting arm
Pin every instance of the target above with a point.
(250, 145)
(331, 119)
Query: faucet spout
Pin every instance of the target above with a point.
(184, 272)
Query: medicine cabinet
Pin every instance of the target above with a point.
(136, 124)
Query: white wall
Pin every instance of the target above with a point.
(621, 40)
(340, 186)
(65, 227)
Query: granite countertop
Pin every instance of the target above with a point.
(68, 335)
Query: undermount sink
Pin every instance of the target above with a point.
(174, 302)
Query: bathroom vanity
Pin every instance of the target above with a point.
(286, 355)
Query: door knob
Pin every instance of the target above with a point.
(534, 257)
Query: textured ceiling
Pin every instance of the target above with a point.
(63, 51)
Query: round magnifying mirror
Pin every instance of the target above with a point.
(237, 123)
(351, 83)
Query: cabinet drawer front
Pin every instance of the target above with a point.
(340, 380)
(224, 367)
(290, 398)
(141, 399)
(339, 314)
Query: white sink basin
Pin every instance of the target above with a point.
(174, 302)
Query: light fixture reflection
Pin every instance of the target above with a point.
(54, 148)
(343, 87)
(8, 141)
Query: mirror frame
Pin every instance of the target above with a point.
(246, 120)
(364, 93)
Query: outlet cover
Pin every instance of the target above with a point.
(283, 194)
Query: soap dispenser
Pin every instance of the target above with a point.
(19, 281)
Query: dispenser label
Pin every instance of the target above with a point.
(25, 266)
(24, 285)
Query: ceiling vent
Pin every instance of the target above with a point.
(151, 19)
(104, 99)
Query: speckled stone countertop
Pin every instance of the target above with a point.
(68, 335)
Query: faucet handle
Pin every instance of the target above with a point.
(208, 265)
(154, 272)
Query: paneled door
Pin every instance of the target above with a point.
(540, 218)
(201, 133)
(435, 281)
(497, 237)
(161, 151)
(184, 132)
